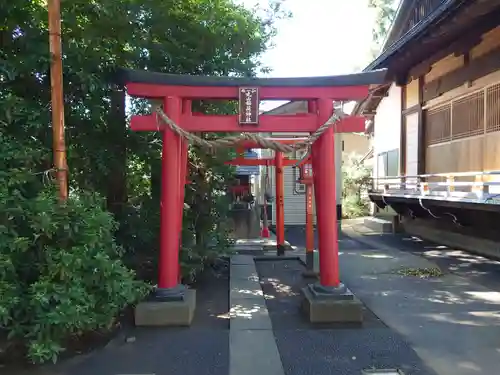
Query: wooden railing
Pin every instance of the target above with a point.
(477, 187)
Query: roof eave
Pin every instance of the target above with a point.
(398, 23)
(361, 105)
(442, 11)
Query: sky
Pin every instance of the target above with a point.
(323, 37)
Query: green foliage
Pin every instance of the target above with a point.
(385, 13)
(356, 179)
(62, 269)
(206, 223)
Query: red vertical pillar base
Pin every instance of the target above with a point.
(264, 232)
(182, 187)
(171, 304)
(309, 231)
(176, 293)
(323, 160)
(310, 272)
(280, 204)
(265, 225)
(183, 159)
(328, 301)
(169, 287)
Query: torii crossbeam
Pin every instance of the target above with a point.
(177, 92)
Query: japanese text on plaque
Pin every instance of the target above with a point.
(249, 105)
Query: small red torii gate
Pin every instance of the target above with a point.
(279, 162)
(177, 92)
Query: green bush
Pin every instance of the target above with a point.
(205, 236)
(139, 227)
(61, 273)
(60, 268)
(356, 179)
(354, 206)
(139, 233)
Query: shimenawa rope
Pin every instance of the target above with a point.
(233, 140)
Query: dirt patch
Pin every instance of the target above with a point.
(423, 273)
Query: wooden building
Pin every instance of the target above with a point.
(436, 129)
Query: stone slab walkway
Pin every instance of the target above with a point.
(281, 341)
(252, 346)
(307, 348)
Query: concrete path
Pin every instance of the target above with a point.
(269, 336)
(252, 346)
(453, 323)
(476, 268)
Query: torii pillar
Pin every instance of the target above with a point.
(329, 300)
(280, 203)
(307, 179)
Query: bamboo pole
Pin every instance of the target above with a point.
(56, 83)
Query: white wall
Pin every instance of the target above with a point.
(412, 145)
(387, 125)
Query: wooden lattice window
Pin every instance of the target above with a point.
(438, 124)
(493, 108)
(468, 116)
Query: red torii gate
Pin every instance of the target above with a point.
(305, 177)
(279, 162)
(177, 93)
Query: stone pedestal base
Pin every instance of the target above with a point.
(341, 307)
(280, 250)
(310, 274)
(312, 266)
(267, 248)
(167, 313)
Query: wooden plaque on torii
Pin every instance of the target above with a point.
(248, 106)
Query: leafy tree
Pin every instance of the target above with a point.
(385, 13)
(356, 179)
(62, 270)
